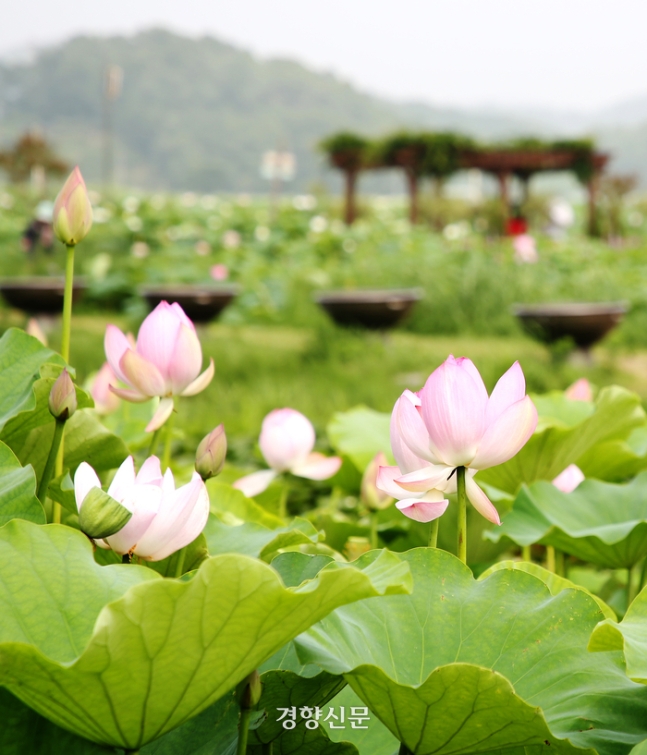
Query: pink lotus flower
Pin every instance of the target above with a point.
(569, 479)
(105, 401)
(451, 422)
(165, 362)
(72, 218)
(370, 494)
(219, 272)
(579, 391)
(164, 519)
(286, 441)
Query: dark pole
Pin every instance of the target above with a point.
(350, 212)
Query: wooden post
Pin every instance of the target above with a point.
(412, 185)
(350, 211)
(593, 225)
(505, 199)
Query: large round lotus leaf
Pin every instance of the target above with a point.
(163, 651)
(561, 440)
(18, 490)
(630, 636)
(465, 666)
(599, 522)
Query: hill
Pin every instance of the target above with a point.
(198, 113)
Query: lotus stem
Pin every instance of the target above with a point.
(433, 533)
(50, 464)
(243, 731)
(560, 568)
(267, 748)
(550, 558)
(373, 529)
(283, 501)
(526, 554)
(631, 593)
(67, 304)
(462, 514)
(154, 440)
(168, 439)
(180, 563)
(643, 575)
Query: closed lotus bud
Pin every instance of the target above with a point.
(249, 691)
(62, 397)
(211, 453)
(72, 210)
(370, 494)
(101, 516)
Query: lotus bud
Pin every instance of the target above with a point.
(101, 516)
(72, 210)
(62, 397)
(580, 391)
(211, 453)
(249, 691)
(34, 330)
(370, 494)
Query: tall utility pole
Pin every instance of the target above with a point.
(112, 81)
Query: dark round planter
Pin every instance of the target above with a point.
(586, 324)
(39, 295)
(377, 310)
(201, 303)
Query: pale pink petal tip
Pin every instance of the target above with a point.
(316, 466)
(254, 484)
(569, 479)
(422, 511)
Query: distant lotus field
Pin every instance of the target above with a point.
(272, 534)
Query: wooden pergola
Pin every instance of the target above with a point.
(501, 162)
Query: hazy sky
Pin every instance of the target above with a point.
(574, 54)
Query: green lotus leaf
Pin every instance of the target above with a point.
(360, 433)
(553, 582)
(18, 490)
(233, 507)
(130, 671)
(630, 636)
(465, 666)
(252, 539)
(24, 732)
(376, 739)
(617, 460)
(29, 433)
(302, 741)
(556, 444)
(600, 522)
(21, 358)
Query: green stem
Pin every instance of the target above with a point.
(462, 514)
(245, 714)
(67, 305)
(373, 529)
(283, 501)
(48, 472)
(631, 593)
(154, 441)
(180, 563)
(559, 563)
(526, 553)
(433, 532)
(643, 575)
(267, 748)
(168, 439)
(550, 558)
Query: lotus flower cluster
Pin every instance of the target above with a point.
(451, 422)
(163, 519)
(165, 361)
(286, 441)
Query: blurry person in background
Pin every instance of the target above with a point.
(39, 231)
(561, 218)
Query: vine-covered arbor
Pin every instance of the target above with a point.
(439, 155)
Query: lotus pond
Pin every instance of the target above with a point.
(331, 578)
